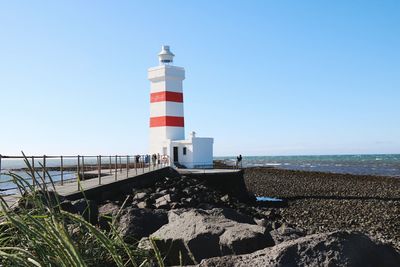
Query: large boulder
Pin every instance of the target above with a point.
(134, 223)
(329, 249)
(107, 212)
(196, 234)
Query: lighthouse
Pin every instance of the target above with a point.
(167, 121)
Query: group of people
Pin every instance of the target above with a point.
(154, 159)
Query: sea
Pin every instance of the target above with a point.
(379, 164)
(19, 167)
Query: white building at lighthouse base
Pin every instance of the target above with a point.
(195, 152)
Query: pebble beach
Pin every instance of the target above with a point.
(319, 202)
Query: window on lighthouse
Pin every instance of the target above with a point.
(184, 151)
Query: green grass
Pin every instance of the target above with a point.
(40, 233)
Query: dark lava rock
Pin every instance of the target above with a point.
(106, 213)
(225, 198)
(200, 234)
(285, 233)
(143, 205)
(134, 223)
(67, 205)
(325, 202)
(231, 214)
(163, 201)
(140, 196)
(329, 249)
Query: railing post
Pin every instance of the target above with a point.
(44, 169)
(0, 165)
(78, 172)
(83, 167)
(143, 162)
(62, 170)
(127, 166)
(116, 167)
(34, 173)
(136, 164)
(99, 167)
(110, 166)
(150, 159)
(120, 164)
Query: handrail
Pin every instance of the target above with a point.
(81, 166)
(69, 156)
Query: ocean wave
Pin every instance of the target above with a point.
(272, 164)
(255, 164)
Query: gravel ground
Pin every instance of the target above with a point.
(321, 202)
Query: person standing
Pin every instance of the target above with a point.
(239, 161)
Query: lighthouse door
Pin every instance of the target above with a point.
(176, 154)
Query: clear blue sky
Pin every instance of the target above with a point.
(262, 77)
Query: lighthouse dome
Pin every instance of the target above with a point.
(165, 56)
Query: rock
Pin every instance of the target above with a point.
(225, 198)
(106, 214)
(140, 196)
(276, 225)
(175, 205)
(67, 205)
(109, 208)
(142, 205)
(158, 189)
(162, 205)
(200, 234)
(172, 190)
(264, 223)
(163, 201)
(188, 200)
(244, 238)
(154, 196)
(137, 223)
(205, 206)
(329, 249)
(187, 191)
(285, 233)
(232, 214)
(88, 209)
(164, 192)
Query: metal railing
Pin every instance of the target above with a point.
(36, 169)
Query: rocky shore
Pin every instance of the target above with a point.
(329, 219)
(321, 202)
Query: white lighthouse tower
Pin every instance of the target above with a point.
(167, 123)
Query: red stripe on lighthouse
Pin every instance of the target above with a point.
(167, 121)
(166, 96)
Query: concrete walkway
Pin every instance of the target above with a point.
(71, 187)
